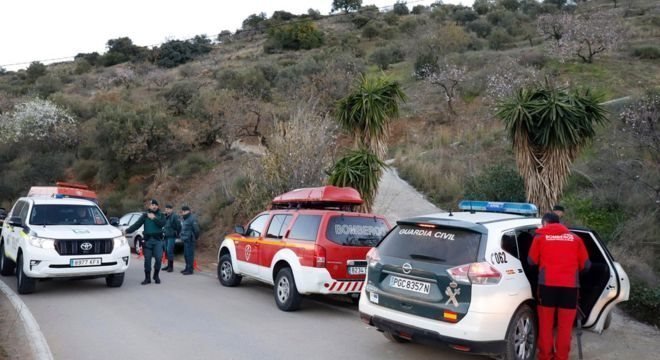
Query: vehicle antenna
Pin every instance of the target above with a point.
(450, 213)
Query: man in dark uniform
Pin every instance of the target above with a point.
(560, 256)
(189, 234)
(153, 221)
(171, 230)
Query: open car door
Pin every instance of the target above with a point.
(601, 287)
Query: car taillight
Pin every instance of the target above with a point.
(373, 257)
(319, 256)
(481, 273)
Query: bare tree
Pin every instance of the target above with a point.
(508, 77)
(448, 77)
(553, 26)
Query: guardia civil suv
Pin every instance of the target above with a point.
(53, 237)
(461, 279)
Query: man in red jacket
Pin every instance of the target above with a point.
(560, 256)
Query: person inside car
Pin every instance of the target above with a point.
(560, 256)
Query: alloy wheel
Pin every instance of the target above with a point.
(524, 338)
(283, 289)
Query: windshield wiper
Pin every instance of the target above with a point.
(426, 257)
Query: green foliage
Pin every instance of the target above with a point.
(481, 6)
(361, 170)
(418, 9)
(255, 22)
(426, 62)
(603, 217)
(464, 15)
(281, 16)
(400, 8)
(176, 52)
(409, 25)
(346, 5)
(296, 36)
(360, 20)
(121, 50)
(511, 5)
(499, 39)
(250, 82)
(46, 85)
(314, 14)
(644, 303)
(496, 183)
(481, 27)
(647, 52)
(192, 164)
(371, 30)
(92, 58)
(180, 96)
(558, 3)
(384, 57)
(86, 170)
(82, 66)
(34, 71)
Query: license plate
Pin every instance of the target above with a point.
(357, 270)
(410, 285)
(85, 262)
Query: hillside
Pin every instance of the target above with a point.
(170, 122)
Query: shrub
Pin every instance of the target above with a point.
(481, 6)
(426, 61)
(86, 170)
(296, 36)
(371, 30)
(533, 59)
(192, 164)
(400, 8)
(47, 85)
(360, 20)
(255, 22)
(34, 71)
(604, 216)
(346, 5)
(644, 303)
(418, 9)
(180, 96)
(481, 27)
(647, 52)
(250, 82)
(384, 57)
(177, 52)
(91, 58)
(464, 16)
(511, 5)
(497, 183)
(314, 14)
(391, 18)
(499, 39)
(409, 26)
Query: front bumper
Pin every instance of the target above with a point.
(431, 337)
(47, 263)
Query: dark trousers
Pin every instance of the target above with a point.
(562, 302)
(153, 248)
(169, 248)
(189, 253)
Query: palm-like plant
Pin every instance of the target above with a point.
(360, 169)
(366, 111)
(548, 127)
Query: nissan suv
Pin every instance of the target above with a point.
(462, 279)
(52, 237)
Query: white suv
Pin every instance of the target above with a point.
(46, 237)
(462, 279)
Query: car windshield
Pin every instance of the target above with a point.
(66, 215)
(356, 230)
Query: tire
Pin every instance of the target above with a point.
(286, 293)
(137, 245)
(226, 273)
(114, 280)
(24, 283)
(521, 335)
(355, 298)
(395, 338)
(6, 265)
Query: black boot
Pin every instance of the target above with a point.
(156, 278)
(147, 278)
(170, 266)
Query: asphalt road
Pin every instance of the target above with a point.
(194, 317)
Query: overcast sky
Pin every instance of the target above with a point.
(32, 30)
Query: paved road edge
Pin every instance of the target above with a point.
(38, 344)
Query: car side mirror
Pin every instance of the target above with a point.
(16, 221)
(239, 229)
(114, 221)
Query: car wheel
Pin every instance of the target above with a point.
(226, 273)
(286, 293)
(521, 335)
(355, 298)
(6, 265)
(25, 284)
(395, 338)
(114, 280)
(138, 245)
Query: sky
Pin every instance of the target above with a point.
(39, 30)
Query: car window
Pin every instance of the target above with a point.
(510, 244)
(278, 226)
(125, 220)
(256, 227)
(446, 245)
(66, 215)
(306, 227)
(16, 211)
(134, 218)
(356, 230)
(24, 212)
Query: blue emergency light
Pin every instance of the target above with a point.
(525, 209)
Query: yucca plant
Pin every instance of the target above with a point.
(360, 169)
(368, 109)
(548, 127)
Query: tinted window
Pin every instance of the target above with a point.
(66, 215)
(509, 244)
(451, 246)
(278, 226)
(16, 211)
(24, 212)
(256, 227)
(356, 231)
(306, 227)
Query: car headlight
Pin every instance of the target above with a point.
(120, 241)
(42, 243)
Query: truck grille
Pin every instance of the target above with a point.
(81, 247)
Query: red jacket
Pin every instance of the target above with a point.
(560, 256)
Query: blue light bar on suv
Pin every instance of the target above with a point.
(526, 209)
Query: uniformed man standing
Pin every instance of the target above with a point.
(171, 230)
(153, 221)
(189, 234)
(560, 256)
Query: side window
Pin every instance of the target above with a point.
(525, 238)
(125, 220)
(509, 244)
(278, 226)
(306, 227)
(256, 227)
(24, 212)
(134, 218)
(16, 211)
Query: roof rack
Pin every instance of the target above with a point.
(324, 197)
(526, 209)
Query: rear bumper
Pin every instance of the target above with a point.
(431, 337)
(311, 280)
